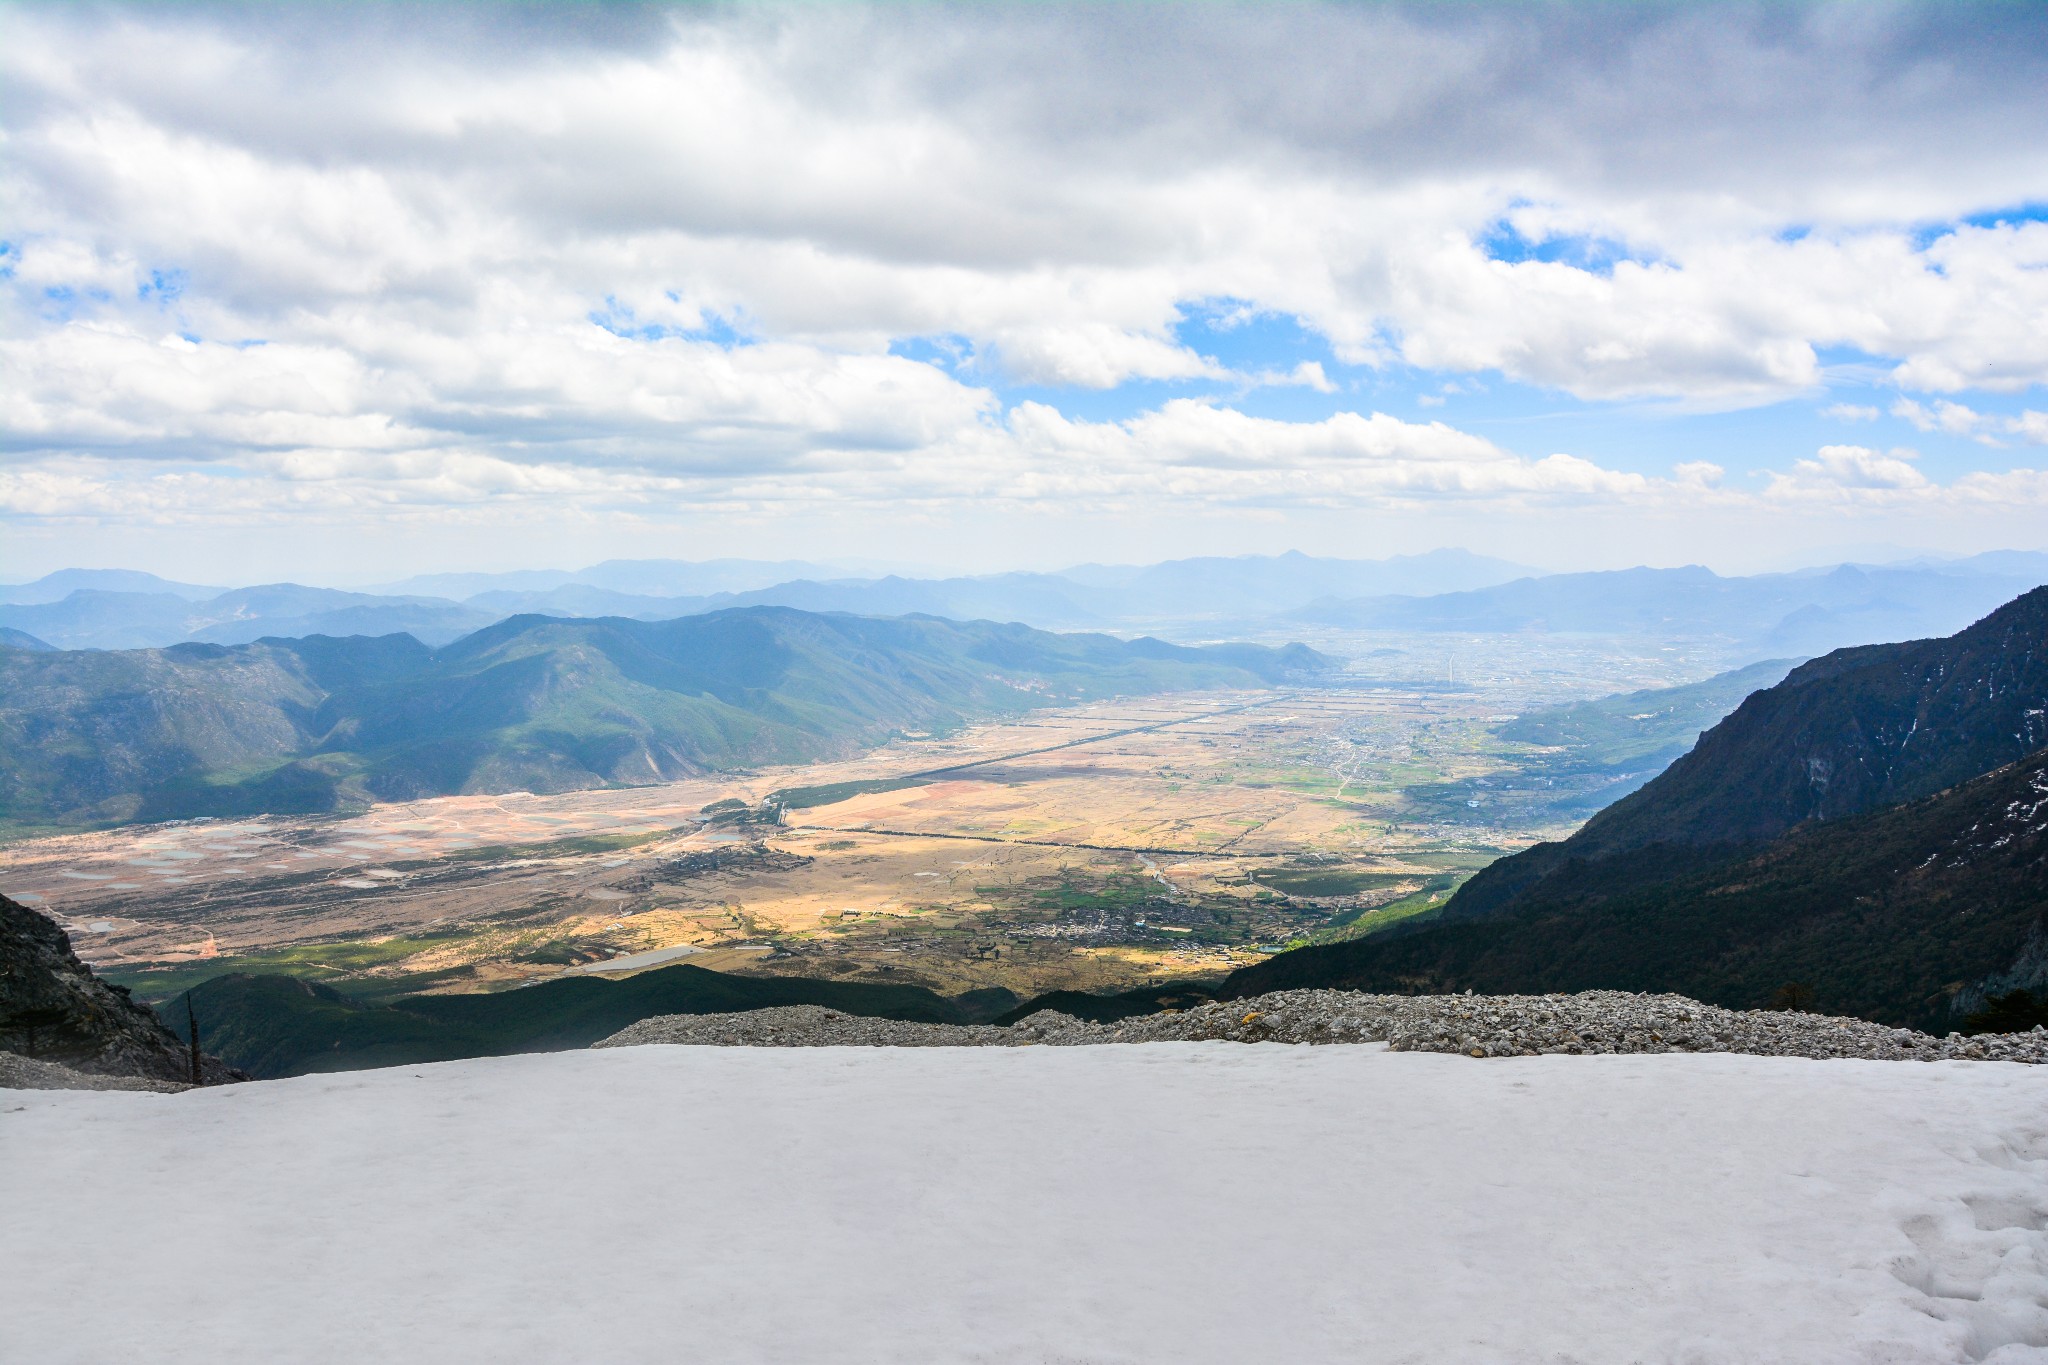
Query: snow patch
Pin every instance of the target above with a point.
(1199, 1202)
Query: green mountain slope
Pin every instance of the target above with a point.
(1650, 728)
(273, 1026)
(1601, 750)
(1915, 914)
(532, 703)
(1853, 731)
(1821, 834)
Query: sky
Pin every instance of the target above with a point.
(341, 292)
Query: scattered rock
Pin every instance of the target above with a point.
(1474, 1026)
(23, 1073)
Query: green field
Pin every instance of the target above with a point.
(831, 793)
(1330, 881)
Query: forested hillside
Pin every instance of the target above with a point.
(1870, 830)
(532, 703)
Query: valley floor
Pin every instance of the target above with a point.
(1204, 1202)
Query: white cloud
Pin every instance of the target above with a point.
(1956, 419)
(419, 226)
(1850, 412)
(1944, 416)
(1309, 374)
(2030, 426)
(1847, 472)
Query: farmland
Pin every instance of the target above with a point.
(1093, 847)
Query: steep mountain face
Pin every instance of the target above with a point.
(1850, 732)
(1915, 914)
(53, 1008)
(532, 703)
(1838, 828)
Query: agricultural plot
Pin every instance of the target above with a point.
(1096, 847)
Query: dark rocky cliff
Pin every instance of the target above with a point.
(1858, 730)
(53, 1008)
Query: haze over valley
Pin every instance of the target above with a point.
(980, 810)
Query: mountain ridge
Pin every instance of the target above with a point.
(1848, 779)
(1807, 612)
(533, 703)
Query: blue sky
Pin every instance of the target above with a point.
(317, 293)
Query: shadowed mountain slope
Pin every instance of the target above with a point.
(1829, 820)
(1916, 914)
(1858, 729)
(274, 1026)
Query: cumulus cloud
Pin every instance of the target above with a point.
(2030, 426)
(637, 257)
(1957, 419)
(1841, 472)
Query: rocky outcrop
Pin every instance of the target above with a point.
(1473, 1026)
(54, 1009)
(23, 1073)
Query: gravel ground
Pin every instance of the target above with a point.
(25, 1073)
(1475, 1025)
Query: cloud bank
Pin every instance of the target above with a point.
(334, 263)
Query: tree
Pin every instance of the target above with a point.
(192, 1026)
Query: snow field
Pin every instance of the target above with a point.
(1188, 1202)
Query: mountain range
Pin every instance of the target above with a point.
(1773, 614)
(533, 703)
(1872, 831)
(110, 609)
(1446, 590)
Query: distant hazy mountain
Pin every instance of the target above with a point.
(1039, 599)
(1875, 827)
(632, 577)
(11, 638)
(61, 584)
(581, 599)
(532, 703)
(1452, 590)
(1266, 584)
(91, 618)
(1780, 614)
